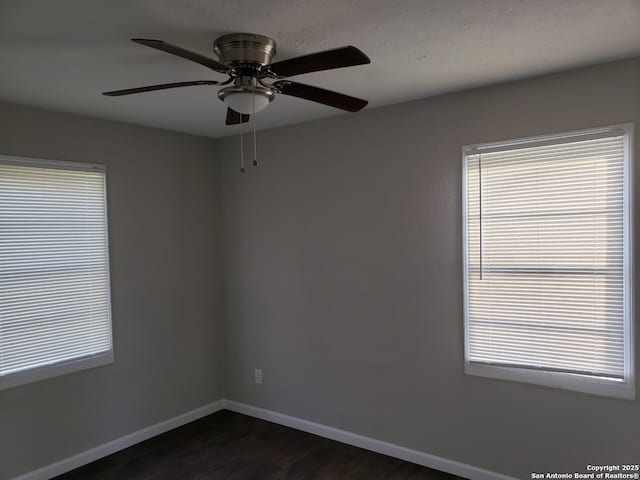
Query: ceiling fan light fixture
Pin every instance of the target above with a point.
(246, 102)
(246, 95)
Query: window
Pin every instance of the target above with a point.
(547, 262)
(54, 270)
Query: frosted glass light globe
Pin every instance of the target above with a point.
(246, 102)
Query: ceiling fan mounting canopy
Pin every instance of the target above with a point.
(238, 48)
(246, 58)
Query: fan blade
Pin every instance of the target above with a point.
(234, 118)
(320, 95)
(182, 52)
(151, 88)
(327, 60)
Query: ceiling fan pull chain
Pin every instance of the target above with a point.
(255, 148)
(241, 150)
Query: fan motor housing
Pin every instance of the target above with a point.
(239, 48)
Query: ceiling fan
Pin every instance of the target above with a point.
(253, 80)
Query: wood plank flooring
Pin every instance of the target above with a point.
(230, 446)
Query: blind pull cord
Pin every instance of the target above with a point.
(595, 236)
(480, 208)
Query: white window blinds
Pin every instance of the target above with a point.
(546, 267)
(54, 279)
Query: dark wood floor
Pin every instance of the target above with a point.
(231, 446)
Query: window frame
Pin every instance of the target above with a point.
(85, 362)
(624, 389)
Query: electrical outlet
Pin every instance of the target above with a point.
(258, 376)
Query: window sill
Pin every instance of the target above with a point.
(567, 381)
(54, 370)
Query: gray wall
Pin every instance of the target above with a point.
(163, 221)
(343, 278)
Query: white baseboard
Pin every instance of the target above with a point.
(88, 456)
(414, 456)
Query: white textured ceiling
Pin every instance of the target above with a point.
(60, 54)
